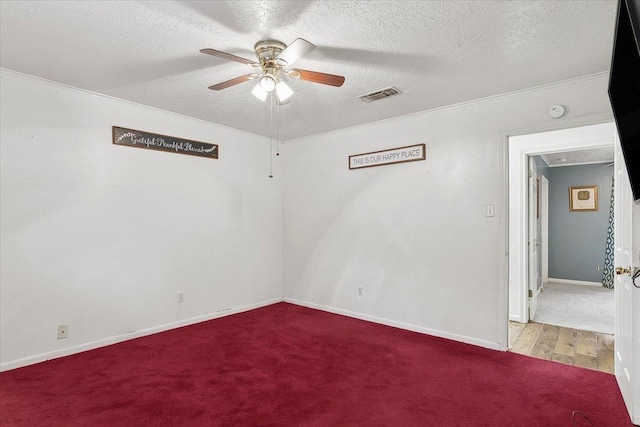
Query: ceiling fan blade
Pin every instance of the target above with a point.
(233, 82)
(296, 50)
(225, 55)
(324, 78)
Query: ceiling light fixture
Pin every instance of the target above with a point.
(267, 83)
(259, 93)
(283, 91)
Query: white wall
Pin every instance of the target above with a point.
(415, 235)
(103, 237)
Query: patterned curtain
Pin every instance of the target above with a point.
(607, 275)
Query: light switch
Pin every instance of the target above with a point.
(491, 210)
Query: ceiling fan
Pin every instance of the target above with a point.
(273, 61)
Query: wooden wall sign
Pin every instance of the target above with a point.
(410, 153)
(155, 141)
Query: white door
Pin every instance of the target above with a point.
(623, 287)
(534, 241)
(544, 224)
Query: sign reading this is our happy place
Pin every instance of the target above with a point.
(154, 141)
(410, 153)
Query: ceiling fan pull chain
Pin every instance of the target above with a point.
(271, 139)
(278, 130)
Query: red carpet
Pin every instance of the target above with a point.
(288, 365)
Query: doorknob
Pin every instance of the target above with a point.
(623, 270)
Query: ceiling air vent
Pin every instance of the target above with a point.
(380, 94)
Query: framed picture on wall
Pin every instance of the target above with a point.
(583, 199)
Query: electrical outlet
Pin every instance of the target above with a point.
(360, 291)
(63, 332)
(598, 267)
(180, 296)
(490, 211)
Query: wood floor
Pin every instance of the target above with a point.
(586, 349)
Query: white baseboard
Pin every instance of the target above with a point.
(401, 325)
(13, 364)
(575, 282)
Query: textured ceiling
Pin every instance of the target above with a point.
(436, 52)
(579, 157)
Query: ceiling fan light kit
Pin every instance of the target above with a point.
(283, 91)
(259, 93)
(267, 83)
(273, 60)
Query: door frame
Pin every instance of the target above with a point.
(519, 146)
(533, 255)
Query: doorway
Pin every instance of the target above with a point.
(520, 148)
(528, 245)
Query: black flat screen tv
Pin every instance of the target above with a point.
(624, 87)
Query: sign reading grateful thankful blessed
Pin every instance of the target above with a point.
(154, 141)
(411, 153)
